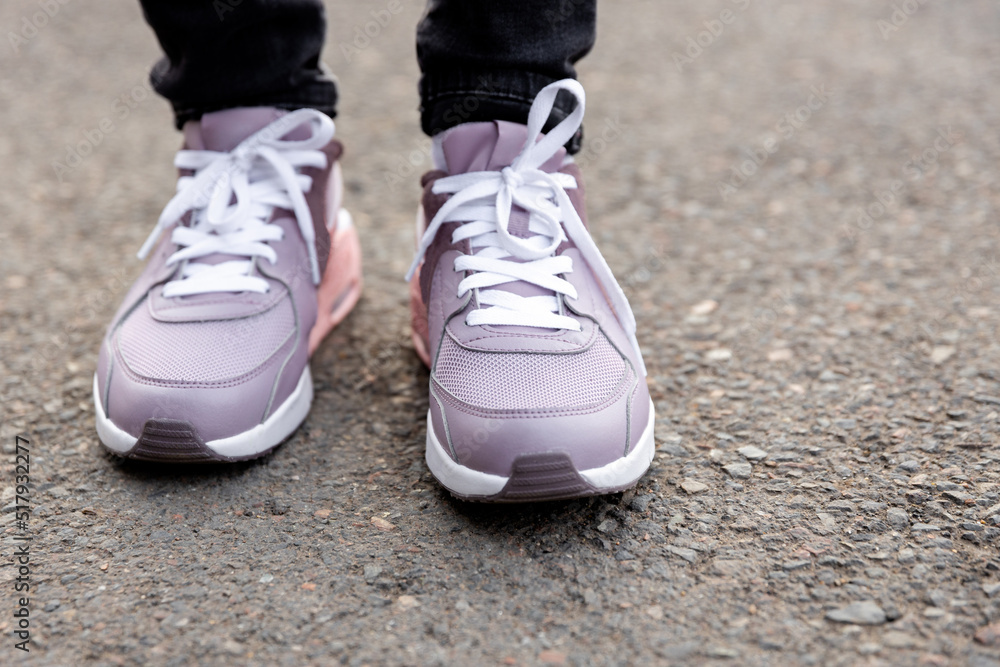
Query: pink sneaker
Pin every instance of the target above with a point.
(538, 389)
(207, 359)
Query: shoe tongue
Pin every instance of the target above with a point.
(223, 131)
(489, 147)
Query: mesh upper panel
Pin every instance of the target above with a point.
(522, 381)
(202, 351)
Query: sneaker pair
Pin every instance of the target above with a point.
(537, 386)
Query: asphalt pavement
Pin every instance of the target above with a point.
(801, 201)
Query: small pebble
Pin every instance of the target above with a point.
(704, 307)
(693, 486)
(407, 602)
(958, 497)
(898, 518)
(859, 613)
(795, 565)
(989, 635)
(382, 524)
(781, 354)
(690, 555)
(641, 503)
(923, 528)
(899, 640)
(739, 470)
(719, 354)
(608, 526)
(721, 652)
(752, 453)
(942, 353)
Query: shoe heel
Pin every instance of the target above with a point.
(418, 309)
(340, 288)
(418, 321)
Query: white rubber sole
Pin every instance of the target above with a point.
(266, 435)
(464, 481)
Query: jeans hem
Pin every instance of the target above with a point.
(456, 97)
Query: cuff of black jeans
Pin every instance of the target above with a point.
(452, 98)
(320, 95)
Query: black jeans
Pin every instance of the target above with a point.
(480, 59)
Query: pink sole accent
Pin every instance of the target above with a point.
(341, 286)
(418, 320)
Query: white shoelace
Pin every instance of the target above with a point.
(482, 201)
(231, 197)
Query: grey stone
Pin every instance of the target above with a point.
(752, 453)
(641, 503)
(959, 497)
(693, 486)
(673, 449)
(895, 639)
(690, 555)
(860, 613)
(608, 526)
(842, 506)
(795, 565)
(923, 528)
(898, 518)
(372, 572)
(739, 470)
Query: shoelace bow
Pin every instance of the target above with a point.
(482, 202)
(231, 197)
